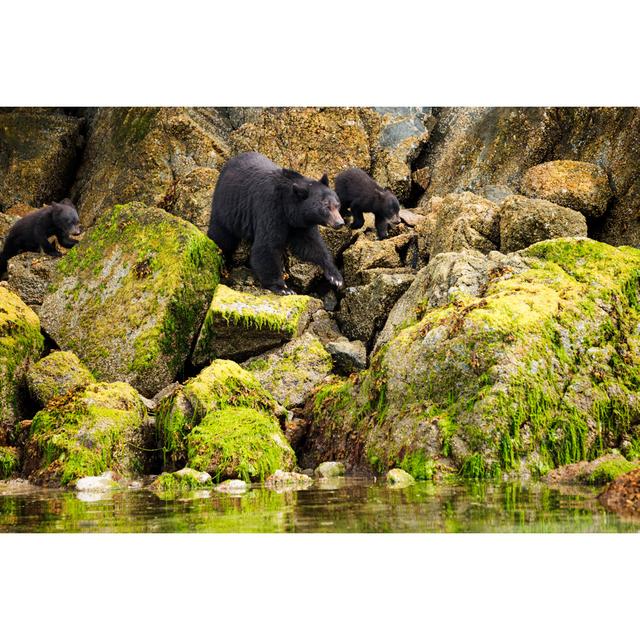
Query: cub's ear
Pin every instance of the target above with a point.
(325, 180)
(300, 191)
(68, 203)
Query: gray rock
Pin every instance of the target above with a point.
(348, 356)
(29, 275)
(232, 486)
(329, 469)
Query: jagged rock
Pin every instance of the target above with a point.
(57, 374)
(240, 325)
(292, 371)
(38, 152)
(29, 275)
(525, 221)
(348, 356)
(537, 371)
(445, 277)
(329, 470)
(364, 310)
(457, 222)
(164, 157)
(130, 297)
(97, 430)
(21, 344)
(582, 186)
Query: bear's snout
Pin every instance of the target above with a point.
(335, 219)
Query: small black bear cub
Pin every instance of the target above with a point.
(255, 199)
(359, 193)
(32, 233)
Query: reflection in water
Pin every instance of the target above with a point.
(351, 505)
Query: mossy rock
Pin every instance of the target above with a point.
(221, 385)
(20, 344)
(129, 299)
(539, 370)
(239, 442)
(9, 462)
(610, 470)
(98, 429)
(399, 478)
(57, 374)
(179, 482)
(239, 325)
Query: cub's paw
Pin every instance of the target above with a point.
(282, 290)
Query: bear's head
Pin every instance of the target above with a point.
(314, 201)
(66, 218)
(390, 206)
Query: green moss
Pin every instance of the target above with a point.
(9, 462)
(132, 125)
(170, 484)
(418, 465)
(610, 470)
(239, 442)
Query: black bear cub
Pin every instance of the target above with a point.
(32, 233)
(360, 193)
(255, 199)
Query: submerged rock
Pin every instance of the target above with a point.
(525, 221)
(21, 343)
(582, 186)
(240, 324)
(399, 478)
(329, 469)
(99, 429)
(57, 374)
(536, 371)
(129, 299)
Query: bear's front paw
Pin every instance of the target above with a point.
(335, 279)
(282, 290)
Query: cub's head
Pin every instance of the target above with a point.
(314, 202)
(391, 206)
(66, 218)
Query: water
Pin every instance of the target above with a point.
(343, 505)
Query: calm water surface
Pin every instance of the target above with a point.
(345, 505)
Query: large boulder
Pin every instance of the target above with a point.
(538, 370)
(219, 422)
(21, 343)
(164, 157)
(29, 275)
(525, 221)
(582, 186)
(101, 428)
(240, 324)
(289, 373)
(129, 299)
(38, 155)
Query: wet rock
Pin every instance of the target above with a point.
(399, 478)
(29, 275)
(21, 344)
(185, 479)
(525, 221)
(329, 470)
(348, 356)
(9, 462)
(38, 152)
(600, 471)
(98, 429)
(97, 484)
(57, 374)
(232, 487)
(623, 495)
(291, 372)
(581, 186)
(516, 379)
(240, 325)
(283, 480)
(163, 157)
(457, 222)
(364, 310)
(130, 297)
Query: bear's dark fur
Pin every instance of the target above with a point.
(32, 233)
(272, 207)
(359, 193)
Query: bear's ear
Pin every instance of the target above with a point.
(300, 191)
(290, 174)
(325, 180)
(67, 202)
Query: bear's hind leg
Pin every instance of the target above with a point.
(358, 218)
(226, 241)
(266, 263)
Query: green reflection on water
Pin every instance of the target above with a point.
(344, 506)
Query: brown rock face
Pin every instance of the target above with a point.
(38, 152)
(582, 186)
(525, 221)
(623, 494)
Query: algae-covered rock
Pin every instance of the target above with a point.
(239, 442)
(57, 374)
(20, 344)
(582, 186)
(329, 469)
(525, 221)
(29, 275)
(181, 481)
(38, 151)
(129, 299)
(98, 429)
(289, 373)
(9, 462)
(538, 370)
(600, 471)
(399, 478)
(240, 324)
(164, 157)
(223, 384)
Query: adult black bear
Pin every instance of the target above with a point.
(360, 193)
(274, 208)
(32, 233)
